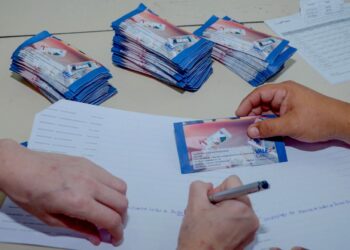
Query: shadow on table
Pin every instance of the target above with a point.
(287, 65)
(312, 147)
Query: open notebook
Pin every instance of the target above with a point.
(308, 203)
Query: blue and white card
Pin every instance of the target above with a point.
(223, 143)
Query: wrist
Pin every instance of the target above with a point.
(189, 247)
(194, 243)
(8, 152)
(343, 123)
(200, 245)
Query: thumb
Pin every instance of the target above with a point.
(198, 195)
(280, 126)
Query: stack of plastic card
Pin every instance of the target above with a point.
(148, 44)
(252, 55)
(59, 71)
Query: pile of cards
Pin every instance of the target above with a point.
(148, 44)
(223, 143)
(252, 55)
(59, 71)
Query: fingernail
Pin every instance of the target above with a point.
(116, 242)
(253, 132)
(94, 240)
(125, 219)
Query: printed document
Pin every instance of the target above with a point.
(321, 38)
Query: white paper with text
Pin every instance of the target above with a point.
(323, 43)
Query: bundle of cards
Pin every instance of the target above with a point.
(148, 44)
(223, 143)
(252, 55)
(59, 71)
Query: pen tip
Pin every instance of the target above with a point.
(264, 185)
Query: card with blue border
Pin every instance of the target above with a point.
(205, 145)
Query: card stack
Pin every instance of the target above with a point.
(148, 44)
(252, 55)
(60, 71)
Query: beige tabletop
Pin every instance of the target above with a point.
(31, 16)
(218, 97)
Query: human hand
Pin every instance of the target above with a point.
(226, 225)
(64, 191)
(304, 114)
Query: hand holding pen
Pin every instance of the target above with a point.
(229, 224)
(236, 192)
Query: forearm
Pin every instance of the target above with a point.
(9, 150)
(342, 122)
(328, 119)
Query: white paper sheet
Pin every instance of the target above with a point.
(315, 9)
(308, 203)
(323, 43)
